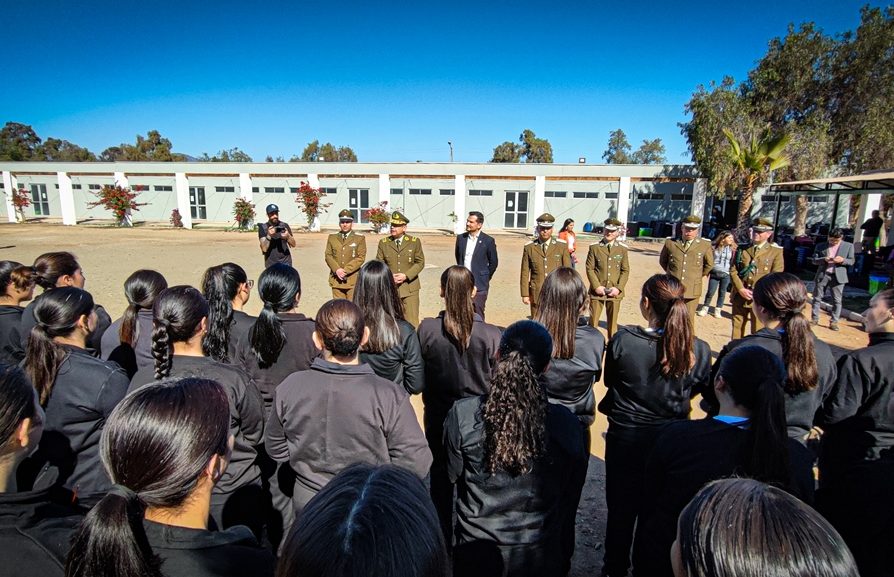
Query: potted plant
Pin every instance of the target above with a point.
(244, 213)
(121, 201)
(176, 220)
(20, 201)
(310, 199)
(378, 217)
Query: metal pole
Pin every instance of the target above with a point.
(450, 144)
(835, 210)
(778, 208)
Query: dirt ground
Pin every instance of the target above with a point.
(108, 255)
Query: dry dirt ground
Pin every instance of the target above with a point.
(108, 255)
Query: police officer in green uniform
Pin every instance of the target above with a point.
(607, 271)
(345, 254)
(752, 262)
(689, 259)
(403, 255)
(539, 258)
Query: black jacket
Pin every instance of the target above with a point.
(523, 516)
(200, 553)
(129, 358)
(297, 355)
(246, 414)
(800, 408)
(687, 455)
(12, 349)
(94, 342)
(84, 393)
(333, 415)
(451, 375)
(638, 394)
(401, 364)
(35, 531)
(855, 415)
(484, 259)
(239, 327)
(569, 382)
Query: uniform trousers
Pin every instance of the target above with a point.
(692, 306)
(343, 293)
(742, 314)
(612, 311)
(411, 308)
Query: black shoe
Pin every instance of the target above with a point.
(834, 327)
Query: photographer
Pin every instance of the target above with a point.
(276, 238)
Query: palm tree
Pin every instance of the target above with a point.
(754, 164)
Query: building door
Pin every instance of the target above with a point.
(358, 199)
(516, 209)
(39, 199)
(197, 202)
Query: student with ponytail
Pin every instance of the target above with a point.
(651, 374)
(35, 526)
(180, 317)
(226, 288)
(61, 269)
(339, 412)
(747, 438)
(279, 341)
(16, 286)
(519, 463)
(459, 350)
(779, 303)
(77, 390)
(393, 346)
(128, 341)
(165, 447)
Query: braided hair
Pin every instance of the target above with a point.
(176, 316)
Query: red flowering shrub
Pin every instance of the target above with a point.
(119, 200)
(310, 200)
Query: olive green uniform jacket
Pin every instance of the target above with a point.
(409, 260)
(536, 264)
(769, 259)
(347, 253)
(607, 267)
(689, 266)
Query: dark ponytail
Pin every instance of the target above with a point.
(783, 296)
(15, 273)
(220, 285)
(514, 411)
(457, 285)
(141, 289)
(50, 267)
(16, 404)
(754, 377)
(279, 286)
(676, 341)
(156, 445)
(176, 316)
(56, 314)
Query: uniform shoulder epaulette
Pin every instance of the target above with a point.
(562, 241)
(776, 245)
(409, 238)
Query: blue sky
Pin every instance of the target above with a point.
(393, 80)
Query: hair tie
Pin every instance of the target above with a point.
(123, 492)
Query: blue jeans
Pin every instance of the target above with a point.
(716, 280)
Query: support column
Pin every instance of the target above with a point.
(9, 185)
(181, 185)
(245, 186)
(459, 203)
(623, 203)
(121, 180)
(539, 204)
(384, 192)
(699, 196)
(66, 199)
(313, 180)
(868, 203)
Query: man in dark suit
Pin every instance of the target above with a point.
(832, 259)
(477, 252)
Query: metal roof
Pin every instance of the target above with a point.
(867, 183)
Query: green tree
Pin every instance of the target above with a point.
(618, 151)
(19, 142)
(57, 150)
(752, 165)
(231, 155)
(649, 152)
(152, 147)
(535, 150)
(862, 96)
(507, 152)
(314, 152)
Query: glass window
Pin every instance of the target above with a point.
(446, 191)
(478, 192)
(163, 188)
(420, 191)
(224, 189)
(276, 189)
(397, 191)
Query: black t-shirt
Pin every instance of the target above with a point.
(873, 226)
(278, 251)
